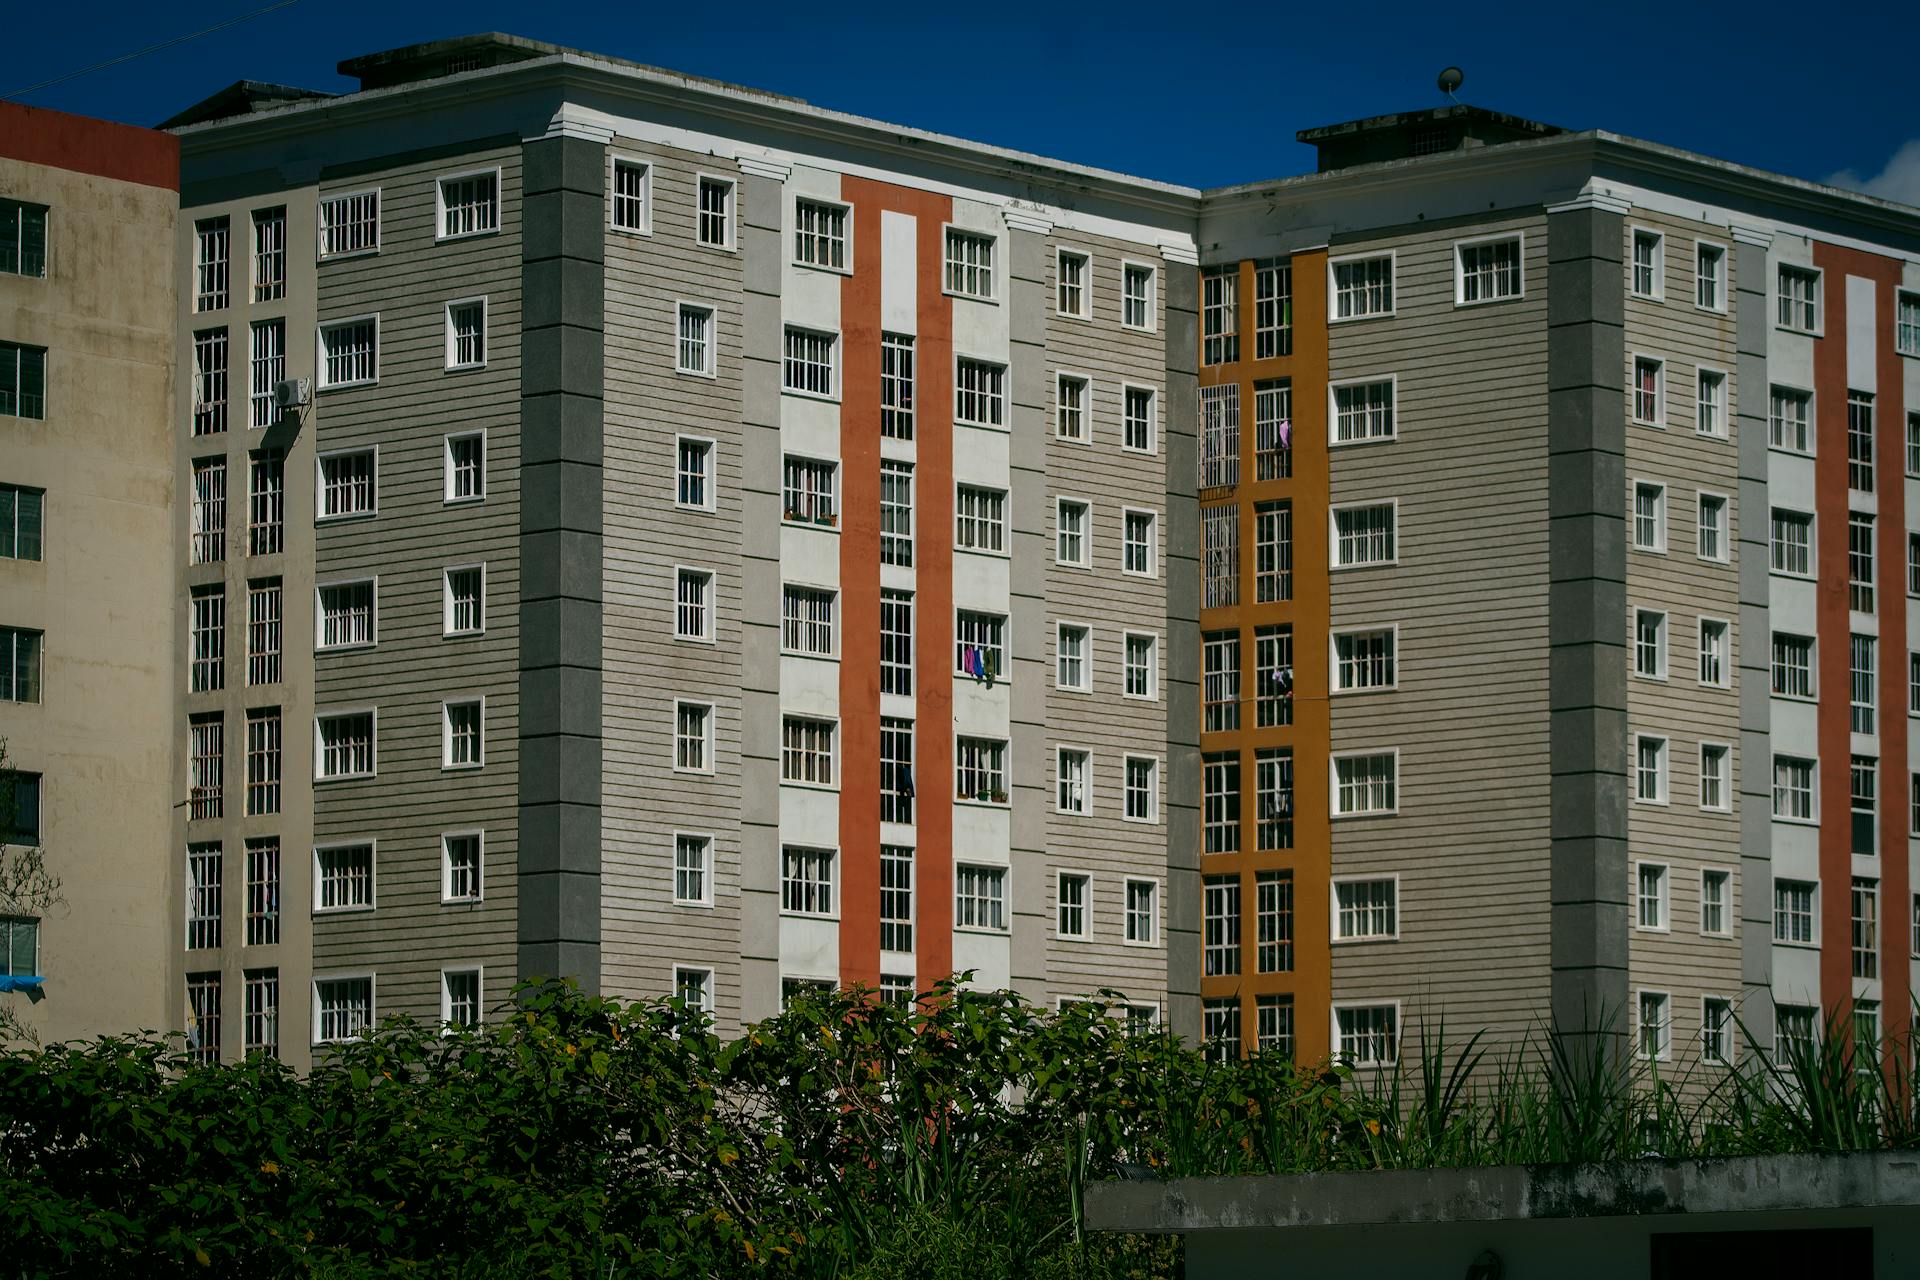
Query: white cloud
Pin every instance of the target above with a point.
(1900, 180)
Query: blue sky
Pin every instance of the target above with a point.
(1162, 91)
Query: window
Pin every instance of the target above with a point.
(1860, 562)
(1792, 543)
(1074, 659)
(632, 196)
(469, 204)
(1273, 798)
(896, 386)
(896, 770)
(1073, 295)
(206, 766)
(1273, 1015)
(20, 664)
(1364, 535)
(1913, 683)
(1862, 796)
(266, 502)
(1651, 895)
(460, 998)
(1488, 271)
(1650, 769)
(1219, 435)
(896, 898)
(1273, 676)
(203, 1019)
(1649, 263)
(1860, 671)
(343, 877)
(1367, 1035)
(980, 393)
(1793, 915)
(896, 512)
(979, 644)
(22, 822)
(1272, 308)
(979, 897)
(1790, 419)
(263, 761)
(820, 234)
(809, 486)
(806, 621)
(1709, 276)
(22, 515)
(1716, 659)
(467, 334)
(1070, 408)
(349, 353)
(1913, 444)
(464, 610)
(1650, 644)
(1272, 551)
(1906, 331)
(1799, 299)
(1715, 790)
(693, 473)
(1220, 801)
(1653, 1038)
(1716, 1030)
(1649, 391)
(345, 747)
(1860, 441)
(23, 241)
(1865, 928)
(896, 642)
(349, 224)
(1793, 788)
(1365, 784)
(1220, 1028)
(693, 737)
(203, 896)
(347, 614)
(1070, 527)
(1649, 517)
(1220, 924)
(23, 382)
(263, 891)
(263, 631)
(1070, 778)
(693, 870)
(806, 751)
(1364, 660)
(693, 605)
(1220, 315)
(809, 367)
(1136, 296)
(260, 1024)
(969, 264)
(1716, 903)
(1142, 787)
(1363, 411)
(1797, 1034)
(806, 881)
(206, 636)
(1139, 411)
(209, 513)
(209, 379)
(1366, 910)
(270, 254)
(1142, 915)
(694, 352)
(267, 367)
(211, 263)
(1137, 543)
(1140, 667)
(1712, 527)
(461, 864)
(1273, 430)
(1710, 404)
(980, 769)
(1071, 901)
(715, 226)
(1792, 666)
(980, 519)
(461, 739)
(342, 1008)
(1273, 921)
(1362, 286)
(19, 947)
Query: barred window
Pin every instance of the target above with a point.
(806, 881)
(467, 334)
(207, 639)
(1364, 660)
(342, 1008)
(469, 205)
(349, 224)
(1273, 308)
(347, 484)
(211, 263)
(209, 382)
(1273, 798)
(1363, 287)
(896, 898)
(260, 1025)
(979, 643)
(1363, 411)
(716, 213)
(693, 737)
(1365, 784)
(206, 766)
(1219, 436)
(1220, 801)
(806, 621)
(1365, 909)
(806, 751)
(980, 769)
(979, 897)
(1220, 527)
(270, 254)
(1220, 315)
(1273, 676)
(346, 614)
(1364, 535)
(809, 489)
(349, 353)
(1273, 921)
(1367, 1035)
(980, 519)
(346, 744)
(263, 631)
(1489, 271)
(268, 361)
(980, 393)
(820, 234)
(1272, 552)
(632, 196)
(263, 891)
(263, 761)
(1220, 924)
(203, 1019)
(343, 877)
(693, 605)
(810, 362)
(896, 386)
(209, 513)
(1272, 430)
(969, 264)
(266, 503)
(464, 603)
(1220, 652)
(203, 895)
(694, 352)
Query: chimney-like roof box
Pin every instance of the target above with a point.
(1454, 127)
(438, 58)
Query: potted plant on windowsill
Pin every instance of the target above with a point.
(829, 519)
(999, 796)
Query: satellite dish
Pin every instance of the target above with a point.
(1450, 79)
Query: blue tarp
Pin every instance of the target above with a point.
(23, 982)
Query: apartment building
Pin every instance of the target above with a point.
(87, 633)
(652, 531)
(1574, 499)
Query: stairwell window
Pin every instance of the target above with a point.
(896, 386)
(811, 364)
(820, 234)
(1366, 784)
(1487, 271)
(896, 897)
(896, 772)
(469, 204)
(344, 745)
(1790, 419)
(1137, 296)
(1364, 535)
(715, 226)
(1865, 928)
(1361, 286)
(467, 334)
(1860, 441)
(969, 263)
(1366, 910)
(350, 224)
(1798, 299)
(896, 642)
(1220, 315)
(980, 393)
(350, 353)
(1861, 682)
(694, 350)
(632, 203)
(1649, 264)
(1363, 411)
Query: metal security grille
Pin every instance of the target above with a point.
(212, 264)
(349, 353)
(347, 483)
(206, 742)
(346, 876)
(270, 254)
(266, 503)
(346, 745)
(1490, 271)
(207, 637)
(1272, 430)
(1220, 526)
(1273, 798)
(1220, 315)
(209, 382)
(263, 761)
(209, 513)
(203, 896)
(1219, 436)
(469, 205)
(809, 362)
(263, 891)
(1273, 309)
(1272, 552)
(716, 212)
(350, 224)
(807, 621)
(1273, 921)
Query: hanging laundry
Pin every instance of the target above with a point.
(1283, 681)
(906, 781)
(1286, 433)
(992, 669)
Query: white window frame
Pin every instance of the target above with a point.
(440, 182)
(1152, 299)
(1701, 372)
(706, 988)
(1333, 285)
(1086, 904)
(1665, 667)
(615, 160)
(1819, 275)
(1061, 377)
(1729, 1031)
(1726, 261)
(446, 866)
(1153, 542)
(320, 515)
(373, 876)
(1813, 544)
(1392, 381)
(1516, 238)
(1665, 775)
(1334, 936)
(446, 732)
(1153, 664)
(320, 223)
(995, 261)
(320, 615)
(479, 973)
(711, 344)
(1659, 420)
(1153, 790)
(1060, 502)
(453, 362)
(356, 975)
(1726, 780)
(1060, 254)
(711, 448)
(1664, 900)
(1399, 1030)
(1086, 659)
(833, 622)
(1659, 545)
(1153, 919)
(835, 369)
(1813, 788)
(1700, 500)
(1333, 536)
(1813, 433)
(447, 497)
(1153, 418)
(1005, 398)
(833, 757)
(709, 608)
(1665, 1052)
(320, 332)
(1333, 658)
(1334, 812)
(1005, 873)
(732, 242)
(1060, 751)
(1700, 625)
(792, 232)
(446, 600)
(1726, 913)
(706, 872)
(1659, 291)
(707, 748)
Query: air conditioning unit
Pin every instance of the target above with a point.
(292, 393)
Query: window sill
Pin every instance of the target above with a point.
(982, 931)
(829, 916)
(1073, 315)
(344, 648)
(1072, 564)
(822, 396)
(816, 657)
(468, 501)
(1362, 319)
(695, 373)
(350, 255)
(462, 902)
(1359, 942)
(821, 266)
(1653, 928)
(465, 368)
(973, 803)
(989, 299)
(1653, 804)
(1648, 422)
(983, 551)
(1143, 946)
(322, 780)
(347, 517)
(1139, 328)
(458, 236)
(462, 635)
(1371, 813)
(828, 788)
(1797, 822)
(695, 640)
(701, 906)
(1000, 428)
(323, 388)
(463, 768)
(692, 773)
(1797, 946)
(717, 248)
(1465, 304)
(356, 910)
(1149, 452)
